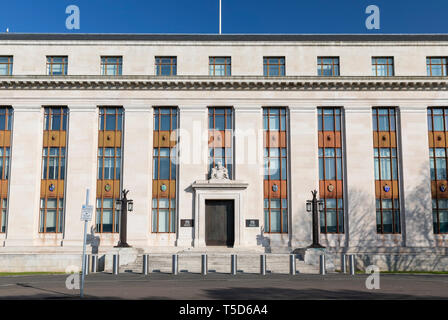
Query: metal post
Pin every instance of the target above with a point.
(233, 264)
(87, 264)
(94, 263)
(175, 257)
(116, 264)
(204, 268)
(145, 264)
(81, 293)
(344, 263)
(263, 264)
(352, 264)
(292, 264)
(322, 264)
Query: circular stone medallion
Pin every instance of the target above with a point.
(275, 188)
(386, 188)
(330, 188)
(163, 187)
(107, 187)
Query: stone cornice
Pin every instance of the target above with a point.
(238, 83)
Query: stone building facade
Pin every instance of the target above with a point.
(360, 118)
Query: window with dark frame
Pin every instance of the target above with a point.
(275, 170)
(111, 66)
(110, 136)
(328, 66)
(386, 170)
(220, 66)
(164, 170)
(274, 66)
(6, 63)
(383, 66)
(166, 66)
(331, 170)
(220, 138)
(436, 66)
(57, 66)
(5, 153)
(51, 218)
(437, 132)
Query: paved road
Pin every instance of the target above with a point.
(227, 287)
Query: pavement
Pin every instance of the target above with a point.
(214, 286)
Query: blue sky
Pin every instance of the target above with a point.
(239, 16)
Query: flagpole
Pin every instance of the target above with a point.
(220, 13)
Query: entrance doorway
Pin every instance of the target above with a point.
(219, 223)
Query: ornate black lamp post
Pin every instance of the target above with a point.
(312, 206)
(124, 205)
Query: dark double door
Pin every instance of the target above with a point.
(219, 223)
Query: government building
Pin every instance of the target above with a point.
(220, 140)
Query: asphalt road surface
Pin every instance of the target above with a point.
(186, 286)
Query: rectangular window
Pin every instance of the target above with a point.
(436, 66)
(57, 66)
(220, 66)
(274, 66)
(5, 154)
(6, 63)
(438, 157)
(386, 170)
(53, 170)
(328, 67)
(109, 172)
(111, 66)
(275, 170)
(383, 66)
(164, 170)
(331, 170)
(220, 138)
(166, 66)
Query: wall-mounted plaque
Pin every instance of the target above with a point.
(252, 223)
(187, 223)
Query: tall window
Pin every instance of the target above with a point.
(273, 66)
(383, 67)
(436, 67)
(220, 138)
(109, 169)
(57, 66)
(438, 128)
(111, 66)
(5, 152)
(166, 66)
(328, 67)
(53, 170)
(386, 170)
(220, 66)
(330, 170)
(275, 170)
(164, 170)
(6, 65)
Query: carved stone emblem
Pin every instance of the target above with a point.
(386, 188)
(107, 187)
(51, 187)
(219, 172)
(163, 187)
(443, 188)
(275, 188)
(330, 188)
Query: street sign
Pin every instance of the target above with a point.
(86, 213)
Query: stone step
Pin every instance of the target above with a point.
(220, 263)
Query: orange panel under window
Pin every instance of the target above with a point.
(53, 138)
(4, 188)
(380, 189)
(56, 190)
(5, 138)
(439, 139)
(436, 189)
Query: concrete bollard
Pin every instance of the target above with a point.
(263, 264)
(175, 264)
(344, 263)
(322, 266)
(292, 264)
(204, 268)
(87, 264)
(94, 263)
(352, 264)
(145, 270)
(116, 264)
(233, 264)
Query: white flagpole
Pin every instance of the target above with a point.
(220, 14)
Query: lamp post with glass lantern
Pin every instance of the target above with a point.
(312, 206)
(124, 205)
